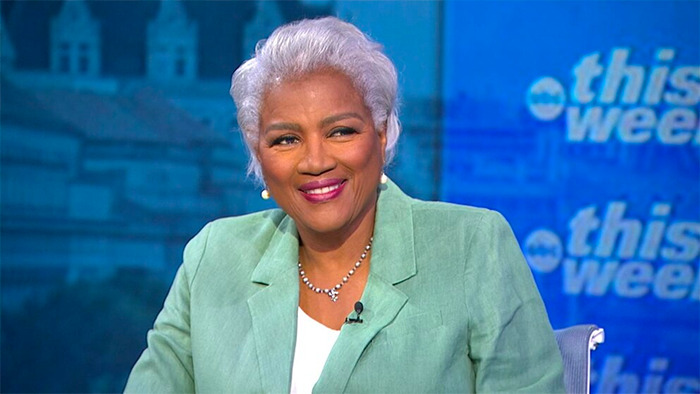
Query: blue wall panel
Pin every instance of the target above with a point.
(579, 121)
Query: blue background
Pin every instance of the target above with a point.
(109, 166)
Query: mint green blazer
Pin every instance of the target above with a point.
(450, 305)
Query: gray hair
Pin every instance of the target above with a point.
(310, 45)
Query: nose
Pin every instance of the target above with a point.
(317, 157)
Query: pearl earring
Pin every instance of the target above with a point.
(383, 179)
(265, 194)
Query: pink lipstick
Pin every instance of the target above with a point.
(323, 190)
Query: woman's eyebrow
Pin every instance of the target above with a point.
(282, 126)
(334, 118)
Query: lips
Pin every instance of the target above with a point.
(323, 190)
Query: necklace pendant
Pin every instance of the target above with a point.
(333, 294)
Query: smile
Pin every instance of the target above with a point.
(322, 191)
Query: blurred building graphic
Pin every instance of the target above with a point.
(102, 172)
(267, 18)
(172, 44)
(75, 41)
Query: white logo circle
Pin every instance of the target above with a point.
(543, 250)
(546, 98)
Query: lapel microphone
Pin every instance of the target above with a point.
(358, 309)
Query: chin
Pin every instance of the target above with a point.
(324, 226)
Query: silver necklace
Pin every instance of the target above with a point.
(333, 291)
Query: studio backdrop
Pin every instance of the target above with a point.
(578, 120)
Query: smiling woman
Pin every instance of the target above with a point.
(321, 159)
(321, 155)
(269, 301)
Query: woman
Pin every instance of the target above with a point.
(268, 302)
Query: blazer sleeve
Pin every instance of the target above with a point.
(511, 341)
(166, 364)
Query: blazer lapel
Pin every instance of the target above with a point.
(383, 302)
(393, 261)
(273, 309)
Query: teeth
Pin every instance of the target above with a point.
(323, 190)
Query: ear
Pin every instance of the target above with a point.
(256, 152)
(382, 141)
(255, 149)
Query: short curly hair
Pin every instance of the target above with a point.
(309, 45)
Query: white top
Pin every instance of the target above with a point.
(314, 344)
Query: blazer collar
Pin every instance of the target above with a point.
(282, 250)
(393, 255)
(273, 309)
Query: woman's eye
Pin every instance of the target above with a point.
(342, 131)
(284, 140)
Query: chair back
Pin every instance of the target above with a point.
(575, 344)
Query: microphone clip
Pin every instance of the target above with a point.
(357, 319)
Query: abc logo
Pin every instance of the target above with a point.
(543, 250)
(546, 98)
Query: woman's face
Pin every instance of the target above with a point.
(320, 153)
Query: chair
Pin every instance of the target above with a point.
(575, 344)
